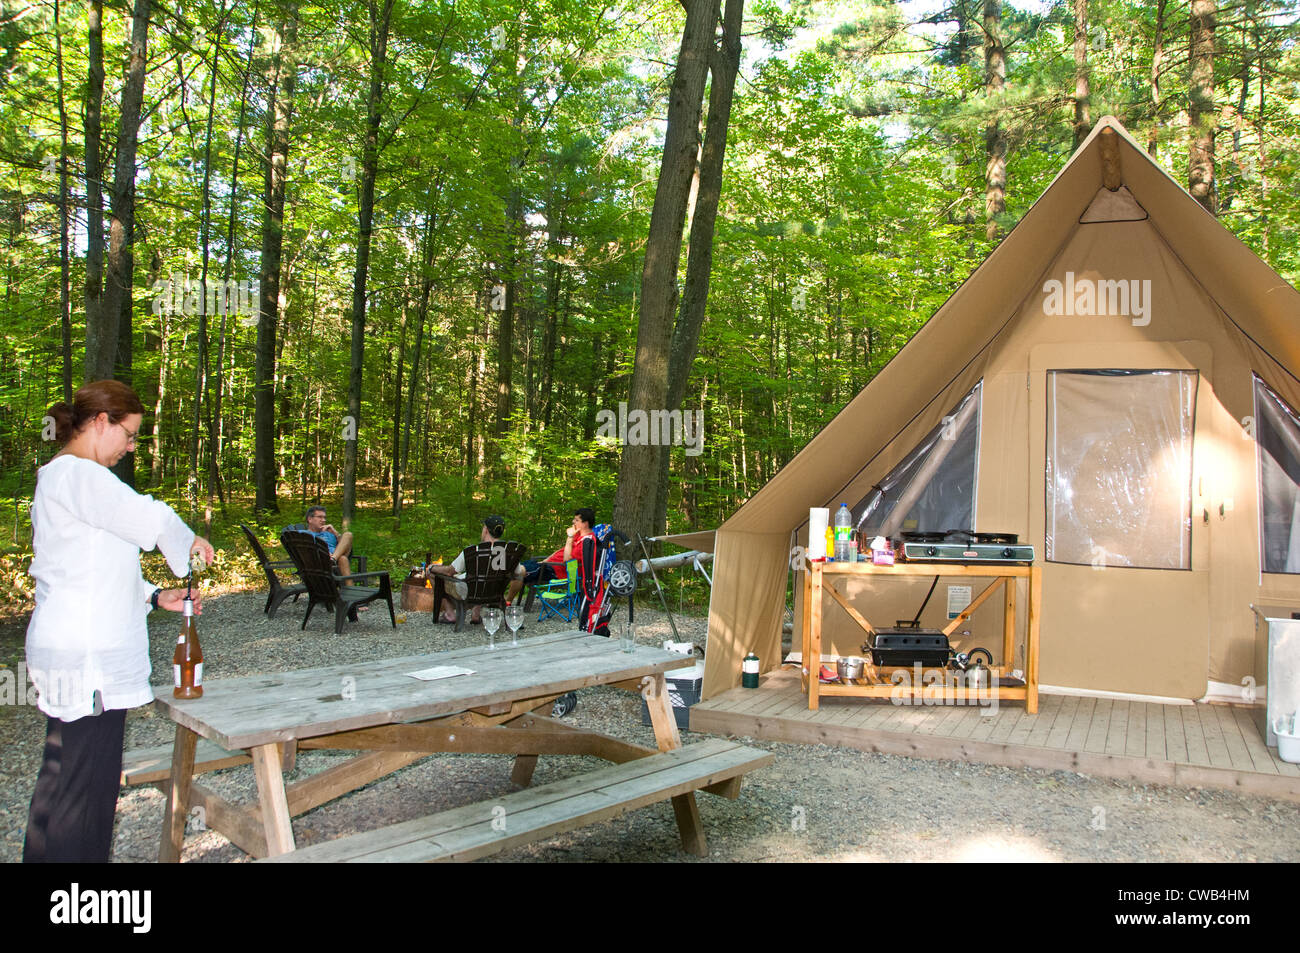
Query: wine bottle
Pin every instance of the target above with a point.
(187, 660)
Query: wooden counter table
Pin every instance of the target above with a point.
(819, 581)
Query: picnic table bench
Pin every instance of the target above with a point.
(142, 766)
(477, 830)
(393, 720)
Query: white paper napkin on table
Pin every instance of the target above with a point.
(440, 671)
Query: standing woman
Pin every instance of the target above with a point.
(88, 640)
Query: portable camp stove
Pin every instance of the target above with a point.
(963, 546)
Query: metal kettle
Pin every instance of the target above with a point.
(977, 674)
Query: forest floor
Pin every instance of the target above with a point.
(815, 803)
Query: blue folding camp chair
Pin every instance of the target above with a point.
(560, 597)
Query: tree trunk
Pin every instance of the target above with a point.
(164, 339)
(962, 47)
(421, 314)
(1082, 120)
(635, 499)
(590, 392)
(1201, 111)
(724, 62)
(995, 140)
(102, 338)
(201, 365)
(1227, 192)
(549, 329)
(506, 318)
(472, 422)
(365, 218)
(65, 279)
(218, 431)
(395, 471)
(279, 109)
(121, 232)
(94, 192)
(110, 355)
(122, 361)
(1261, 145)
(1157, 59)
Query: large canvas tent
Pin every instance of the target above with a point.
(1117, 384)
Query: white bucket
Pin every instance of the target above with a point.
(1288, 737)
(1288, 747)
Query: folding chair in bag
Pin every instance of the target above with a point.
(560, 596)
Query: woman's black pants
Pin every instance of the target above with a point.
(71, 818)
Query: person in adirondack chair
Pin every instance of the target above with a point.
(340, 545)
(494, 527)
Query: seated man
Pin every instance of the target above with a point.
(494, 528)
(340, 546)
(552, 567)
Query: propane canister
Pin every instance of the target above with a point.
(749, 671)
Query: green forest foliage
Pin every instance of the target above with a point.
(519, 147)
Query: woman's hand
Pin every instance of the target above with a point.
(203, 548)
(173, 600)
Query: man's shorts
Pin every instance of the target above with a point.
(536, 572)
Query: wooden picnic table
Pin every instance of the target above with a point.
(392, 720)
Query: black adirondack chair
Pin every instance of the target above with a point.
(279, 591)
(325, 586)
(489, 567)
(357, 560)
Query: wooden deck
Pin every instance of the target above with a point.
(1213, 746)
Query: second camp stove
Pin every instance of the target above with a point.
(964, 546)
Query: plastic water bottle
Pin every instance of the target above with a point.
(843, 533)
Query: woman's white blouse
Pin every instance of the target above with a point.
(89, 631)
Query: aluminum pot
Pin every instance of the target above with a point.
(848, 668)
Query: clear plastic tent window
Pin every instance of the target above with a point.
(933, 488)
(1119, 468)
(1277, 438)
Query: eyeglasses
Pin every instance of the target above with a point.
(130, 435)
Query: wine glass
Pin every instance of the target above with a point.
(514, 619)
(492, 622)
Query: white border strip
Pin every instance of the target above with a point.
(1124, 696)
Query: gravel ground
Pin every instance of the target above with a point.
(814, 803)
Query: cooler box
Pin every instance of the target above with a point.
(684, 686)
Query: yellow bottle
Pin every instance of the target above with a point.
(830, 543)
